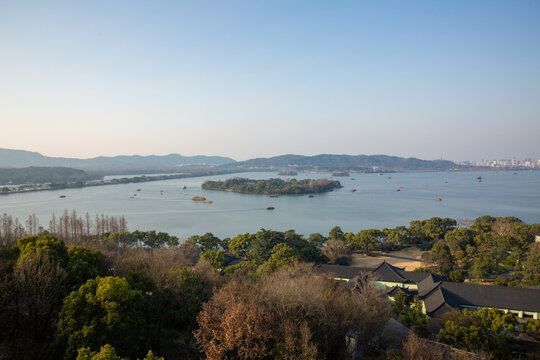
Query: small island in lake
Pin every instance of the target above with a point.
(287, 172)
(273, 186)
(339, 173)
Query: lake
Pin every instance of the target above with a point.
(375, 204)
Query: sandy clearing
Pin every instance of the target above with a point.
(410, 258)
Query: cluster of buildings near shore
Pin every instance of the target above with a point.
(437, 295)
(513, 163)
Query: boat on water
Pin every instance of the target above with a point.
(274, 196)
(208, 202)
(198, 198)
(352, 190)
(437, 199)
(269, 208)
(62, 196)
(401, 187)
(353, 179)
(138, 189)
(398, 189)
(389, 177)
(184, 187)
(310, 196)
(479, 178)
(380, 173)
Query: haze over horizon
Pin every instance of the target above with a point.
(243, 79)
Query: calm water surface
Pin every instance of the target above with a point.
(375, 204)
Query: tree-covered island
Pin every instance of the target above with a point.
(273, 186)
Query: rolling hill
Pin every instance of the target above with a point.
(23, 158)
(349, 162)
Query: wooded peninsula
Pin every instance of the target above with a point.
(273, 186)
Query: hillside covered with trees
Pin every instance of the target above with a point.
(23, 158)
(40, 175)
(273, 186)
(331, 162)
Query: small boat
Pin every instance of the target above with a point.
(479, 178)
(138, 189)
(389, 177)
(398, 189)
(401, 187)
(274, 196)
(208, 202)
(269, 208)
(352, 190)
(380, 173)
(62, 196)
(437, 199)
(184, 187)
(310, 196)
(353, 179)
(198, 198)
(514, 173)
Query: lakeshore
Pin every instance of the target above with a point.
(374, 204)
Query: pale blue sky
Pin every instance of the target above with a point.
(452, 79)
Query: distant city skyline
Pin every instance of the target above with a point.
(454, 80)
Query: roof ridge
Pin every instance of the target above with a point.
(507, 288)
(437, 286)
(391, 267)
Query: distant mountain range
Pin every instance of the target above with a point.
(23, 158)
(324, 162)
(344, 162)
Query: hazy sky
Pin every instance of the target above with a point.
(431, 79)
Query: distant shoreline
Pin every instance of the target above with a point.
(25, 188)
(78, 185)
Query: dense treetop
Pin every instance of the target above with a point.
(100, 292)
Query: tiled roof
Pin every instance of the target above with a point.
(493, 296)
(439, 295)
(429, 283)
(390, 273)
(340, 271)
(458, 295)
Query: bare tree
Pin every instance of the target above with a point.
(52, 224)
(32, 224)
(335, 250)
